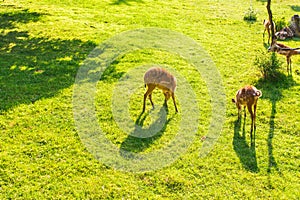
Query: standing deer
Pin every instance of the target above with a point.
(247, 96)
(286, 51)
(162, 79)
(267, 26)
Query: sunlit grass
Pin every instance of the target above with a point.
(42, 45)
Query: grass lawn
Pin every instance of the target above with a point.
(43, 154)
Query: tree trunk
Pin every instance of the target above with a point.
(271, 21)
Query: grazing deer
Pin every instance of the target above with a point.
(286, 51)
(293, 30)
(267, 26)
(162, 79)
(247, 96)
(284, 33)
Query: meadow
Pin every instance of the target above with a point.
(45, 43)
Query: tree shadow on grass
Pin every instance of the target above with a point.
(10, 20)
(295, 8)
(136, 144)
(33, 68)
(272, 90)
(111, 74)
(246, 153)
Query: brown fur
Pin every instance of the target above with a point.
(162, 79)
(286, 51)
(247, 96)
(267, 26)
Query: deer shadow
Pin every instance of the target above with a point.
(266, 44)
(33, 68)
(126, 2)
(246, 153)
(262, 1)
(272, 91)
(138, 144)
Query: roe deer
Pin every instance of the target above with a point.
(247, 96)
(286, 51)
(162, 79)
(267, 26)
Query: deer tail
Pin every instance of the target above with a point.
(258, 93)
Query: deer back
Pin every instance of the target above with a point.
(161, 78)
(247, 94)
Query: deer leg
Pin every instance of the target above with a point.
(290, 65)
(150, 98)
(144, 104)
(166, 101)
(252, 118)
(269, 35)
(148, 93)
(239, 110)
(254, 122)
(166, 106)
(173, 97)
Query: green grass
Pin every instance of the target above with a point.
(43, 44)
